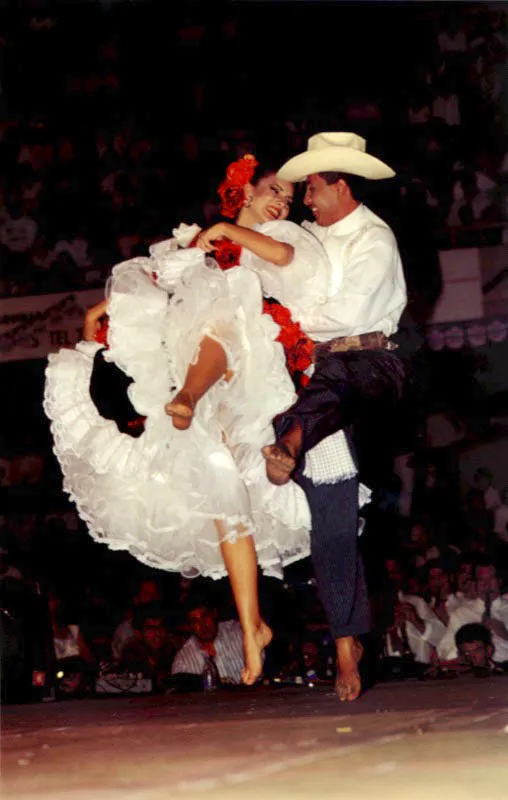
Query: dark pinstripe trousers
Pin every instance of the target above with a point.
(335, 555)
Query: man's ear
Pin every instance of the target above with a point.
(490, 650)
(342, 188)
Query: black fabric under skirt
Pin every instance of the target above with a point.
(108, 390)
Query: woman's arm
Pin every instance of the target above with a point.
(92, 320)
(278, 253)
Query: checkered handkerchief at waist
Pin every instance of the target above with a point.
(330, 461)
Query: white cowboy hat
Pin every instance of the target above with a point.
(335, 152)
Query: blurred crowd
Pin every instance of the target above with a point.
(78, 620)
(104, 157)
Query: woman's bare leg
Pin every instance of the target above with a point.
(211, 366)
(241, 563)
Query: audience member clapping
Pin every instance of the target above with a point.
(126, 632)
(487, 607)
(152, 653)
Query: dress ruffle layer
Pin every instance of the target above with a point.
(158, 496)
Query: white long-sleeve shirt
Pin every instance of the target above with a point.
(228, 654)
(367, 290)
(420, 642)
(469, 611)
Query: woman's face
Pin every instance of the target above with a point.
(270, 198)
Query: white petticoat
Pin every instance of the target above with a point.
(158, 496)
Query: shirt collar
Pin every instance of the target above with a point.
(344, 226)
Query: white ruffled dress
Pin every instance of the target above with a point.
(170, 497)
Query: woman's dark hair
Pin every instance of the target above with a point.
(266, 166)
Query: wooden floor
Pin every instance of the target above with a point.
(403, 741)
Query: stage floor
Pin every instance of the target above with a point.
(403, 741)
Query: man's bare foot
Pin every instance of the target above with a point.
(181, 408)
(280, 463)
(348, 684)
(253, 645)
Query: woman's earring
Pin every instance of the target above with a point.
(247, 202)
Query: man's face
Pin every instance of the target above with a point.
(148, 592)
(325, 201)
(475, 654)
(203, 624)
(465, 578)
(438, 582)
(154, 632)
(486, 582)
(310, 654)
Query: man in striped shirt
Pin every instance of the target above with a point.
(221, 641)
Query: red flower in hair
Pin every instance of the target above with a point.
(232, 197)
(242, 171)
(231, 190)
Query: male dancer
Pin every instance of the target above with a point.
(355, 368)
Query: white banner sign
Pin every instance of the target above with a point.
(33, 327)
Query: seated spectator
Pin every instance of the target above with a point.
(125, 632)
(474, 645)
(153, 652)
(501, 518)
(96, 624)
(500, 539)
(419, 108)
(464, 578)
(220, 641)
(67, 638)
(437, 589)
(488, 608)
(74, 678)
(425, 546)
(446, 104)
(483, 480)
(317, 659)
(416, 629)
(74, 663)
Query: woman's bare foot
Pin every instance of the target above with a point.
(280, 463)
(181, 408)
(348, 684)
(253, 645)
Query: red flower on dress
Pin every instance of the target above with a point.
(280, 314)
(298, 348)
(227, 254)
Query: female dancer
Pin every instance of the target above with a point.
(191, 494)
